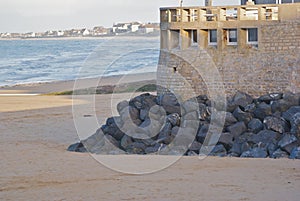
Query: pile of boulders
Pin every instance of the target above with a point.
(268, 126)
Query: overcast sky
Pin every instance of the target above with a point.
(43, 15)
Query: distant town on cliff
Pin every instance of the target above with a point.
(128, 28)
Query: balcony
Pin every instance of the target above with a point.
(268, 12)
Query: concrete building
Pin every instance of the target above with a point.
(253, 48)
(243, 2)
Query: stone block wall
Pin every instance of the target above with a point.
(272, 67)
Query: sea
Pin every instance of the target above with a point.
(35, 61)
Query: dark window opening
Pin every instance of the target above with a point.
(252, 35)
(194, 36)
(232, 36)
(212, 37)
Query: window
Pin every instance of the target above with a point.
(252, 36)
(212, 37)
(194, 35)
(232, 37)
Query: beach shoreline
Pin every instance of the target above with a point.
(83, 38)
(67, 85)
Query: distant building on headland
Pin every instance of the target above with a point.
(254, 48)
(135, 27)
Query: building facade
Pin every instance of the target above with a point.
(243, 2)
(250, 48)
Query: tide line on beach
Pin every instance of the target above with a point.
(20, 94)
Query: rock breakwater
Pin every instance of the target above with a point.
(268, 126)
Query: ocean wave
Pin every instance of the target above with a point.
(39, 61)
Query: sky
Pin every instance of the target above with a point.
(43, 15)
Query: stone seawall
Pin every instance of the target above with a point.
(273, 66)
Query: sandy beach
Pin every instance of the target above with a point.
(36, 130)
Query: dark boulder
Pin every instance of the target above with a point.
(229, 119)
(135, 115)
(237, 129)
(218, 150)
(250, 108)
(264, 137)
(245, 147)
(203, 112)
(153, 149)
(144, 114)
(164, 135)
(145, 100)
(245, 137)
(174, 119)
(147, 142)
(175, 130)
(256, 152)
(96, 148)
(112, 140)
(185, 137)
(122, 105)
(157, 113)
(255, 125)
(286, 140)
(288, 115)
(242, 116)
(77, 147)
(262, 111)
(191, 116)
(291, 98)
(170, 103)
(201, 99)
(126, 141)
(231, 106)
(272, 147)
(236, 149)
(226, 139)
(131, 113)
(136, 148)
(280, 105)
(190, 106)
(191, 153)
(195, 147)
(201, 135)
(94, 142)
(190, 124)
(242, 99)
(295, 154)
(279, 154)
(113, 130)
(276, 124)
(149, 100)
(270, 97)
(295, 122)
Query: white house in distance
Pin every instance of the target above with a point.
(149, 28)
(86, 32)
(60, 33)
(134, 26)
(120, 28)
